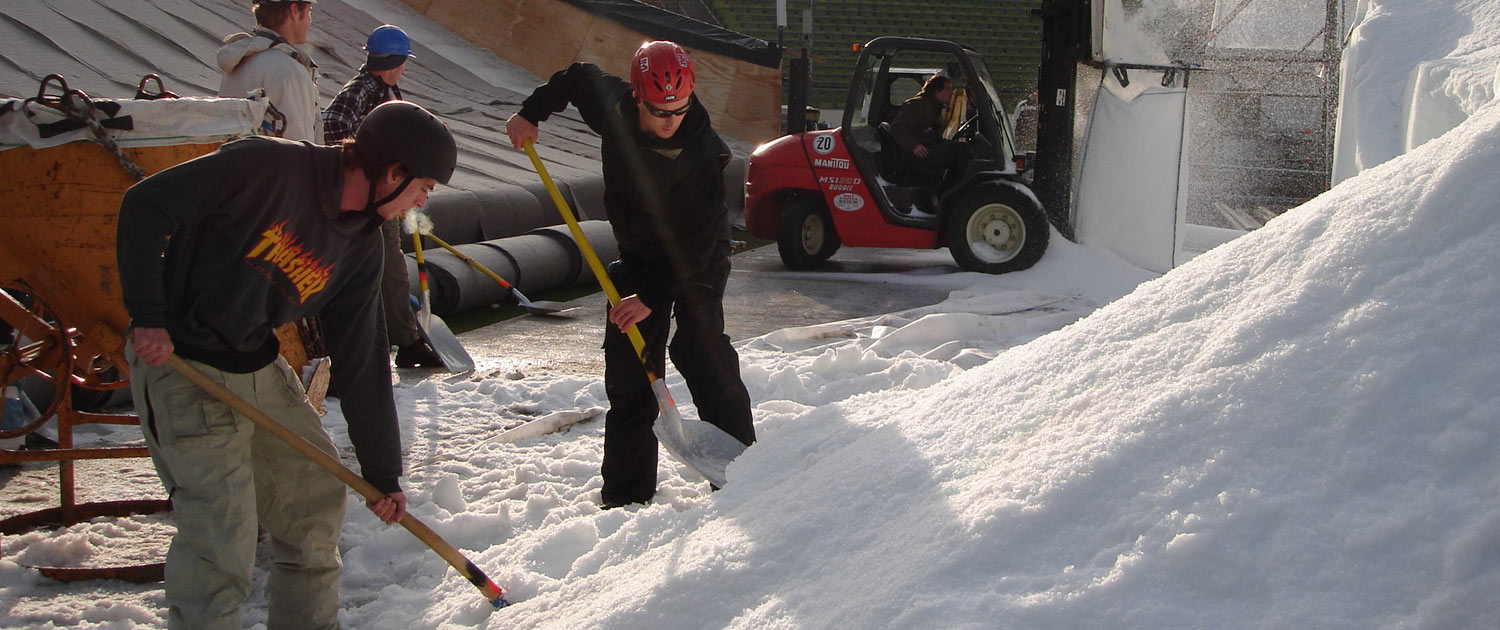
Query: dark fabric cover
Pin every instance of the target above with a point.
(662, 24)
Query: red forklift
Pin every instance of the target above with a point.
(815, 191)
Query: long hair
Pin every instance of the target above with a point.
(934, 84)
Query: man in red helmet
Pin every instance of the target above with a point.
(664, 195)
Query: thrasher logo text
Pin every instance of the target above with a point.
(282, 249)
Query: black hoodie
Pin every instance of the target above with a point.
(664, 197)
(222, 249)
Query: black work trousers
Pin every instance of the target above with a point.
(700, 351)
(947, 157)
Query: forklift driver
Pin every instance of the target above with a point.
(918, 132)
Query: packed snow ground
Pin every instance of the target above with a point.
(1296, 429)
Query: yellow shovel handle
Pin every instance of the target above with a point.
(584, 247)
(472, 263)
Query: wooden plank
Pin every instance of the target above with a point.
(544, 36)
(609, 45)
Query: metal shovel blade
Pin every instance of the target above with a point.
(541, 307)
(705, 448)
(448, 348)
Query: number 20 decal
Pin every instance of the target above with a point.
(823, 144)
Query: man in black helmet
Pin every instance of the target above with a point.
(213, 254)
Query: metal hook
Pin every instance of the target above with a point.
(78, 105)
(141, 89)
(41, 93)
(161, 88)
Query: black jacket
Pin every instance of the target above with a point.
(222, 249)
(664, 197)
(919, 121)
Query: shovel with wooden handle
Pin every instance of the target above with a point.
(448, 552)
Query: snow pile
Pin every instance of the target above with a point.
(1294, 430)
(1412, 70)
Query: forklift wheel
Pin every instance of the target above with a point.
(997, 229)
(806, 237)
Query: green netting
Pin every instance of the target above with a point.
(1005, 31)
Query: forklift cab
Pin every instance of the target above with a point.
(817, 191)
(891, 70)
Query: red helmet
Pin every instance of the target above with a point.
(661, 73)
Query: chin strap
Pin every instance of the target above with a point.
(372, 209)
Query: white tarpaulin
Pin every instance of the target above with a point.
(130, 122)
(1133, 181)
(1144, 31)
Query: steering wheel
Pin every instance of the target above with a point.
(979, 144)
(968, 129)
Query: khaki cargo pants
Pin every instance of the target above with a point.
(225, 478)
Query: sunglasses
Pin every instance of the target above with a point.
(666, 113)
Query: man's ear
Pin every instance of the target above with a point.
(393, 173)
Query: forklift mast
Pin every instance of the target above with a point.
(1065, 43)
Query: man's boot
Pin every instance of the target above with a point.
(418, 354)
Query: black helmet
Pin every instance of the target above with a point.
(400, 131)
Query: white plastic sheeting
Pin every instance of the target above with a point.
(1132, 185)
(1141, 33)
(1115, 38)
(132, 123)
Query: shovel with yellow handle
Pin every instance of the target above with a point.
(705, 448)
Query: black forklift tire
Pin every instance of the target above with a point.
(805, 237)
(997, 229)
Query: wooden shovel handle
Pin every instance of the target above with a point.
(263, 422)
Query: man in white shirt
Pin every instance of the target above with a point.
(274, 58)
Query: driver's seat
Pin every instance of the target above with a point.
(896, 165)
